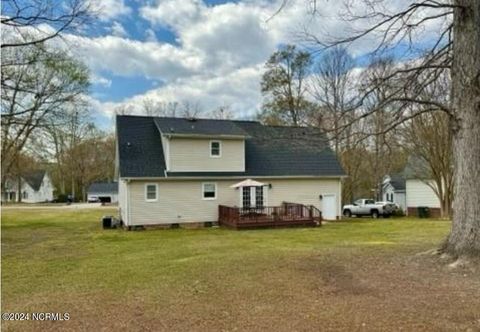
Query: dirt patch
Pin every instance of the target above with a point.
(374, 293)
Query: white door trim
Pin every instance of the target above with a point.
(334, 207)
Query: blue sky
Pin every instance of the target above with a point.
(207, 53)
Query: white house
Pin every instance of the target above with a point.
(393, 190)
(173, 170)
(35, 187)
(412, 189)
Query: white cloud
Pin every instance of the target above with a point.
(118, 30)
(150, 36)
(240, 89)
(174, 14)
(128, 57)
(109, 9)
(220, 49)
(99, 80)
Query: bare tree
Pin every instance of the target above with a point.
(284, 86)
(221, 113)
(93, 159)
(384, 145)
(151, 107)
(456, 47)
(429, 137)
(331, 86)
(34, 95)
(37, 80)
(33, 22)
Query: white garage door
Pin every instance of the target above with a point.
(329, 207)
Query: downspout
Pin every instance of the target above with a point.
(129, 211)
(339, 201)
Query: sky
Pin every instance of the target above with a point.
(210, 53)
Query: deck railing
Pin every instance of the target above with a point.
(283, 215)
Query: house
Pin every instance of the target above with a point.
(417, 189)
(393, 190)
(105, 192)
(175, 170)
(35, 187)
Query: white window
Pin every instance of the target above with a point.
(151, 190)
(259, 197)
(215, 149)
(246, 197)
(209, 191)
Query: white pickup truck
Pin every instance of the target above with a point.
(368, 207)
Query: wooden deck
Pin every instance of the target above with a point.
(285, 215)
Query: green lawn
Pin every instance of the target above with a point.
(346, 275)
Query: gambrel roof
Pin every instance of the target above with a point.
(269, 150)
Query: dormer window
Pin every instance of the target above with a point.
(215, 149)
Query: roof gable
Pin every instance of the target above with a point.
(34, 178)
(139, 147)
(397, 181)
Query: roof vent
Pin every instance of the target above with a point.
(191, 119)
(129, 144)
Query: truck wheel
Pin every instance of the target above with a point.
(347, 213)
(374, 214)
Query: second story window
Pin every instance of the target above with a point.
(215, 149)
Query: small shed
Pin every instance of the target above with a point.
(105, 192)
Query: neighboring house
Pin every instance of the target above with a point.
(35, 187)
(105, 192)
(417, 189)
(393, 190)
(173, 170)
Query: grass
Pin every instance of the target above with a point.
(219, 279)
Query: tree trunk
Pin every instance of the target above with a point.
(464, 239)
(19, 189)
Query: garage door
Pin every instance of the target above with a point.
(105, 199)
(329, 207)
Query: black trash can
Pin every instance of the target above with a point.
(107, 222)
(423, 212)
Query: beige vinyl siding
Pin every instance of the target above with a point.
(181, 201)
(123, 200)
(420, 194)
(193, 154)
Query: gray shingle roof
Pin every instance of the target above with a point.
(269, 150)
(139, 147)
(103, 187)
(34, 178)
(198, 127)
(397, 181)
